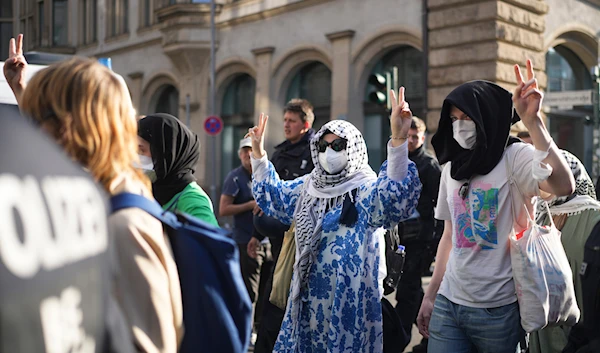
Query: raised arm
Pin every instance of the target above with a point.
(276, 198)
(527, 99)
(396, 192)
(15, 67)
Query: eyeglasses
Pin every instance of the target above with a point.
(337, 145)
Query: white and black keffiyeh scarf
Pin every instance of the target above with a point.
(323, 192)
(583, 198)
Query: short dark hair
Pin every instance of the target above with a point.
(303, 108)
(522, 134)
(418, 124)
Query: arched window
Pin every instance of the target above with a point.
(566, 72)
(237, 112)
(313, 83)
(166, 100)
(570, 126)
(409, 62)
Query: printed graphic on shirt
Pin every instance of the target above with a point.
(476, 217)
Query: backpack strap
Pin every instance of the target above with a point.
(173, 204)
(129, 200)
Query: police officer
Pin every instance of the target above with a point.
(54, 266)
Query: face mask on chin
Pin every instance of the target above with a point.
(333, 162)
(145, 163)
(465, 133)
(147, 166)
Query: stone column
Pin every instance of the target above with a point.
(474, 39)
(340, 77)
(263, 58)
(135, 88)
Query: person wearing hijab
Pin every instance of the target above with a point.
(340, 210)
(169, 152)
(575, 216)
(476, 305)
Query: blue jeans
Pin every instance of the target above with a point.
(460, 329)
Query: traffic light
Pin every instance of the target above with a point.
(383, 83)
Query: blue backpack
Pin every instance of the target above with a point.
(216, 306)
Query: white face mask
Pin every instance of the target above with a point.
(465, 133)
(145, 163)
(333, 162)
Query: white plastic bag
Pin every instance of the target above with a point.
(543, 278)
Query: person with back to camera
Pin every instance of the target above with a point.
(340, 210)
(472, 286)
(84, 107)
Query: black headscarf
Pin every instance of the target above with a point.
(175, 151)
(491, 108)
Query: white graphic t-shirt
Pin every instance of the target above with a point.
(478, 273)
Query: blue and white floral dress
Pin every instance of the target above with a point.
(339, 305)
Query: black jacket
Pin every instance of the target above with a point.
(430, 173)
(292, 160)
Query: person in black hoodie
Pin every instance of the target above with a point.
(291, 160)
(475, 305)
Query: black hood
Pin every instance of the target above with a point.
(491, 108)
(175, 152)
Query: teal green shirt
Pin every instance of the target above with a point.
(195, 202)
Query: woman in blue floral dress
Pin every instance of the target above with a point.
(341, 210)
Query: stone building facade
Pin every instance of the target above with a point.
(269, 51)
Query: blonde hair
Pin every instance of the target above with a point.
(89, 112)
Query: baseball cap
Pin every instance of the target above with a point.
(247, 142)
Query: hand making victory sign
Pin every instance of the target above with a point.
(400, 118)
(527, 97)
(257, 134)
(15, 67)
(527, 101)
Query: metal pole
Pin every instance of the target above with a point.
(213, 110)
(187, 110)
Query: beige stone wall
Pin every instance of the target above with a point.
(473, 39)
(271, 40)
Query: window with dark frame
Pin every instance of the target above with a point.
(118, 17)
(60, 23)
(6, 27)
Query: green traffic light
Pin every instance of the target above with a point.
(377, 80)
(377, 97)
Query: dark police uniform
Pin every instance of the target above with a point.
(54, 266)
